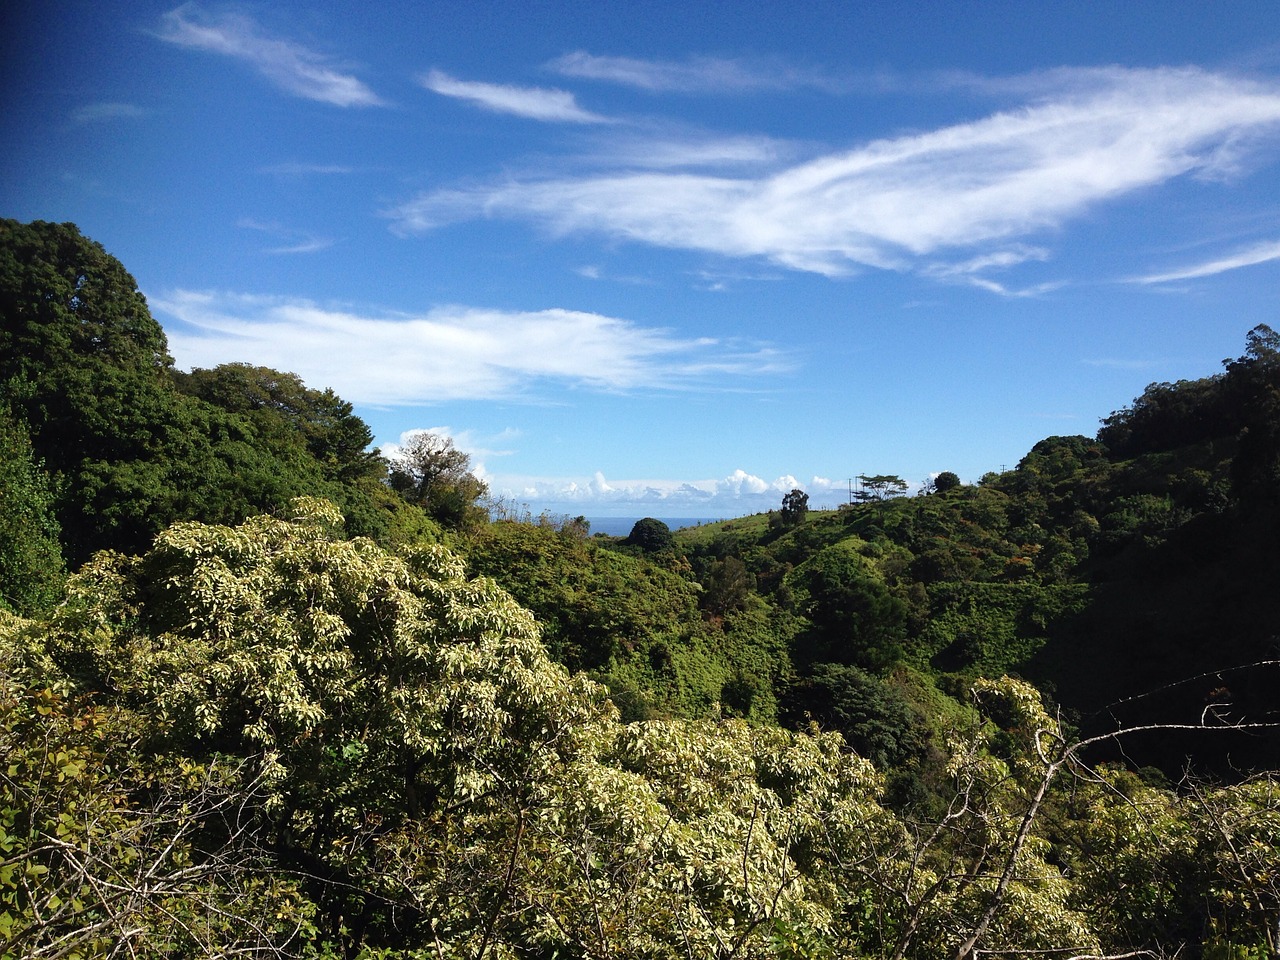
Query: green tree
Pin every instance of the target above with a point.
(651, 535)
(31, 567)
(945, 481)
(431, 472)
(84, 366)
(66, 301)
(872, 717)
(728, 587)
(429, 778)
(795, 507)
(85, 369)
(282, 405)
(855, 618)
(881, 487)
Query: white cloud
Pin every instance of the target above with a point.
(305, 169)
(736, 494)
(478, 448)
(696, 75)
(533, 103)
(448, 353)
(665, 149)
(288, 65)
(294, 241)
(982, 187)
(1260, 253)
(971, 271)
(98, 112)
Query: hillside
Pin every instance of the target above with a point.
(261, 685)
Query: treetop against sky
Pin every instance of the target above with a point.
(682, 258)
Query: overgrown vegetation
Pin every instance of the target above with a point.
(264, 692)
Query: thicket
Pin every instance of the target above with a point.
(275, 695)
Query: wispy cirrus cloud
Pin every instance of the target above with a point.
(449, 353)
(1250, 256)
(974, 271)
(292, 241)
(532, 103)
(288, 65)
(692, 150)
(695, 75)
(295, 169)
(978, 189)
(100, 112)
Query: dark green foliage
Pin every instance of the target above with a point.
(993, 628)
(650, 535)
(728, 586)
(132, 445)
(285, 410)
(1165, 416)
(945, 481)
(795, 507)
(871, 715)
(85, 368)
(67, 302)
(82, 362)
(31, 568)
(854, 616)
(1254, 383)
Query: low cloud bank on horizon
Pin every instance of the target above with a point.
(737, 494)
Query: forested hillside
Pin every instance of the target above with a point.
(265, 691)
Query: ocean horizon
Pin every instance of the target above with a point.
(621, 526)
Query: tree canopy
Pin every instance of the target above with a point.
(130, 445)
(273, 739)
(650, 535)
(430, 472)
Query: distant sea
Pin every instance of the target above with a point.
(621, 526)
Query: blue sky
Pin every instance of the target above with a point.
(674, 259)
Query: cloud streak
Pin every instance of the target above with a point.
(532, 103)
(294, 241)
(295, 169)
(970, 190)
(99, 112)
(448, 353)
(696, 75)
(1260, 253)
(288, 65)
